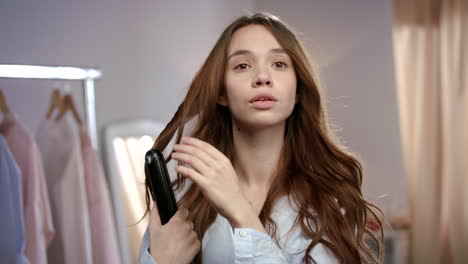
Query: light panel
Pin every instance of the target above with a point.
(47, 72)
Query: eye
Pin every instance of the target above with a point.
(242, 66)
(280, 64)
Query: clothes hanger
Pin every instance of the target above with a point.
(3, 104)
(56, 102)
(69, 105)
(72, 107)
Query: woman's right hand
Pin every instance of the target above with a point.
(175, 242)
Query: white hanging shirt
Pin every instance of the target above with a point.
(60, 147)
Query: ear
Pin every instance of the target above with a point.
(222, 100)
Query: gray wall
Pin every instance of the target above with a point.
(150, 50)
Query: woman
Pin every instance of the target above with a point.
(259, 178)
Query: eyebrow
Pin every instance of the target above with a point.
(248, 52)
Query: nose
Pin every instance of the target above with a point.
(263, 78)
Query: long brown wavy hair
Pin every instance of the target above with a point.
(321, 176)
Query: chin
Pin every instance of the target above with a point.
(262, 123)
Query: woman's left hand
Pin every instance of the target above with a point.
(214, 174)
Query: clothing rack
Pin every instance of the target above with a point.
(85, 75)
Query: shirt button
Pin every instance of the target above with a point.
(242, 233)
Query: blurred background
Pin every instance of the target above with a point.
(393, 79)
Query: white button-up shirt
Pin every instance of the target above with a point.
(245, 245)
(222, 245)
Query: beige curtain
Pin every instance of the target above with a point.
(431, 60)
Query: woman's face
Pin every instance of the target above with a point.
(260, 80)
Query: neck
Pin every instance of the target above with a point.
(256, 154)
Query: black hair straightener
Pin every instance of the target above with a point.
(160, 182)
(161, 187)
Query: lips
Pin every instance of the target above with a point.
(263, 97)
(263, 101)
